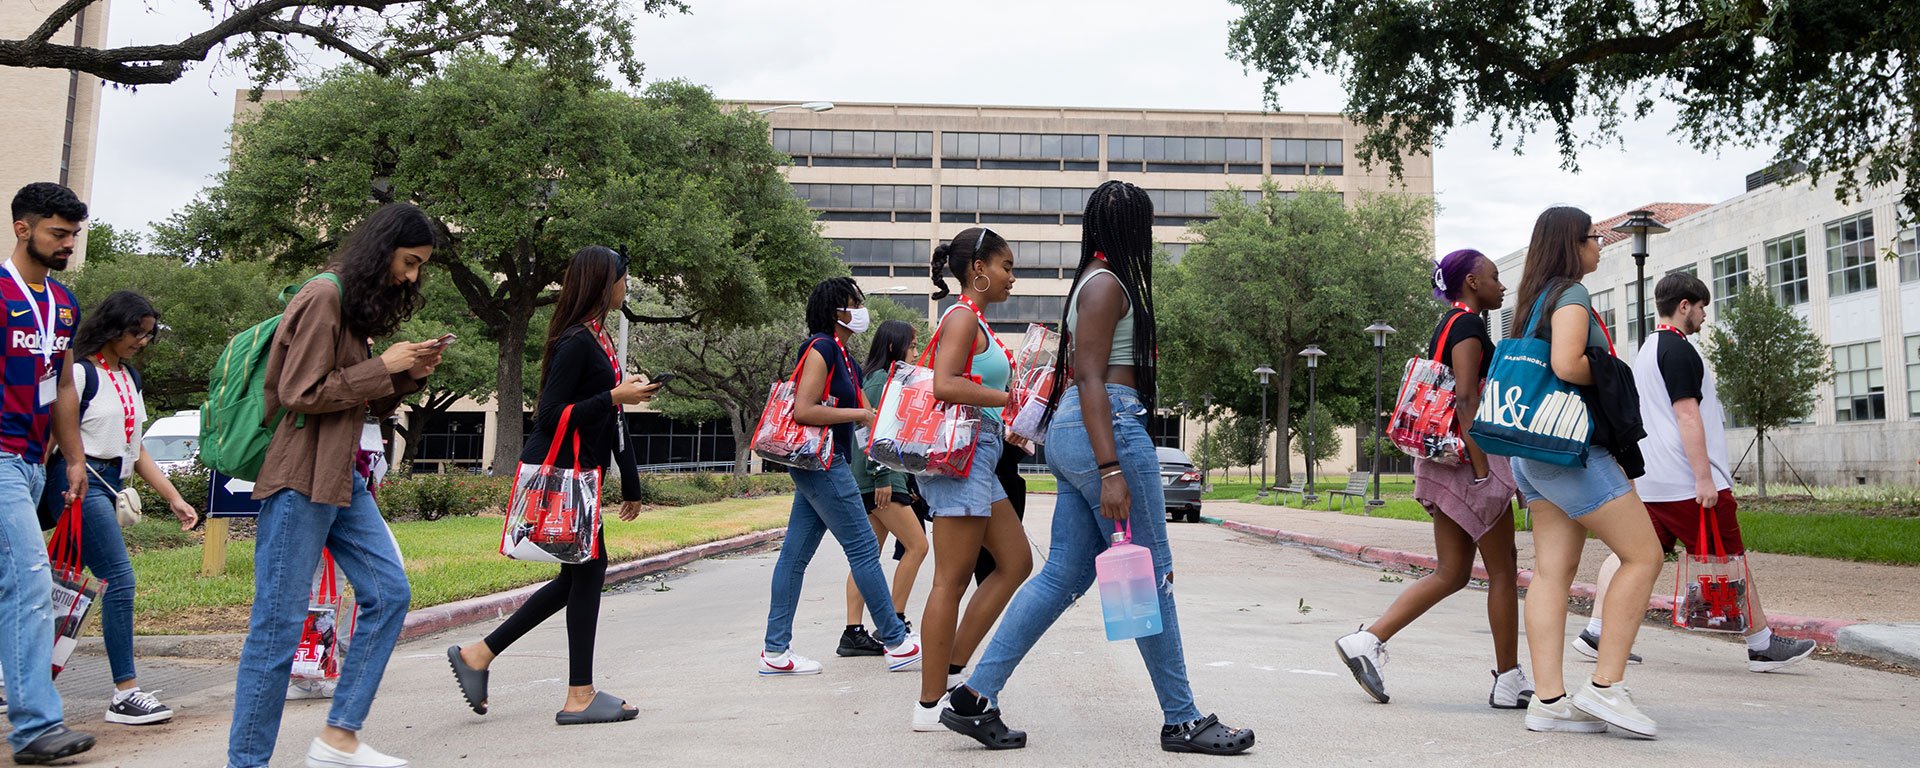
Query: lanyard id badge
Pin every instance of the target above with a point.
(49, 388)
(49, 375)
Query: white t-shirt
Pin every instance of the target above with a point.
(1667, 369)
(103, 424)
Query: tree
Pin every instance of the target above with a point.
(1269, 277)
(726, 373)
(385, 36)
(201, 307)
(1835, 84)
(523, 172)
(1234, 442)
(106, 242)
(1326, 435)
(467, 369)
(1768, 363)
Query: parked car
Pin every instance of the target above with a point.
(1181, 482)
(174, 440)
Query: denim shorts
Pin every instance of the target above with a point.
(975, 494)
(1578, 491)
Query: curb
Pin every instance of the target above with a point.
(1822, 631)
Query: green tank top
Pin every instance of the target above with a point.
(1122, 353)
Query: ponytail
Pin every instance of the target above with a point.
(940, 262)
(970, 245)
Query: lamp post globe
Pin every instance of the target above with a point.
(1640, 224)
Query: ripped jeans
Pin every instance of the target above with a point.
(1079, 535)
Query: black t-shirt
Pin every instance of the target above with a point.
(1469, 326)
(1682, 370)
(843, 375)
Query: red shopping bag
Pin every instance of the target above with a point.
(553, 515)
(917, 432)
(1423, 424)
(781, 440)
(74, 593)
(1710, 587)
(330, 617)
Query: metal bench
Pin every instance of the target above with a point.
(1297, 488)
(1356, 489)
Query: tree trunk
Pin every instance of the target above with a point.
(1760, 436)
(413, 426)
(508, 434)
(742, 442)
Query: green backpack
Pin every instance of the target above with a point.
(234, 429)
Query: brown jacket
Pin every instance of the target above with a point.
(318, 369)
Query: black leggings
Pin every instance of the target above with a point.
(1008, 471)
(578, 590)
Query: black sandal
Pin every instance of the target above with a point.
(604, 709)
(473, 682)
(1207, 736)
(986, 728)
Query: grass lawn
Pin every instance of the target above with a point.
(447, 560)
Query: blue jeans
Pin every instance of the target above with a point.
(104, 551)
(26, 597)
(827, 500)
(286, 552)
(1079, 535)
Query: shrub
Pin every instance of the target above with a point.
(193, 484)
(432, 497)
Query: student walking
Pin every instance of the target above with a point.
(1107, 470)
(40, 398)
(1471, 502)
(112, 409)
(971, 367)
(1686, 450)
(888, 501)
(1567, 503)
(829, 499)
(322, 369)
(582, 396)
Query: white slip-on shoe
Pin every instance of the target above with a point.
(319, 755)
(787, 663)
(1511, 689)
(927, 720)
(1561, 716)
(1614, 705)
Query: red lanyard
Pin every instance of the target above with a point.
(975, 309)
(1461, 307)
(125, 393)
(1665, 327)
(613, 356)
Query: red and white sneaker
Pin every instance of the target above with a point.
(788, 663)
(904, 655)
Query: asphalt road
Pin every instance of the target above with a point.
(1259, 621)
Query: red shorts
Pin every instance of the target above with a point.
(1681, 520)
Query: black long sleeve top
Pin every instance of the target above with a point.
(581, 375)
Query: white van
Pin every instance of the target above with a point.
(174, 440)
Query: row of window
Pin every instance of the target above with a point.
(913, 197)
(1851, 261)
(1056, 146)
(1176, 149)
(1048, 146)
(1859, 388)
(890, 143)
(918, 254)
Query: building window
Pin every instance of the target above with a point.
(1907, 246)
(1638, 309)
(1176, 251)
(1603, 304)
(1030, 146)
(802, 143)
(1913, 376)
(1850, 267)
(453, 439)
(1729, 274)
(1014, 314)
(1295, 156)
(1859, 390)
(862, 251)
(1787, 268)
(1184, 154)
(1014, 199)
(658, 441)
(888, 197)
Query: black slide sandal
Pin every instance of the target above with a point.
(986, 728)
(1208, 736)
(604, 709)
(473, 682)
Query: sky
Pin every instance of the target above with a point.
(160, 145)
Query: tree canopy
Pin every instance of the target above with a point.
(268, 37)
(1768, 363)
(1835, 84)
(522, 172)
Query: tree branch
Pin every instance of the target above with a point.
(58, 19)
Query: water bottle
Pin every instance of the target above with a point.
(1129, 593)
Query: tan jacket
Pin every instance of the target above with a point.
(319, 369)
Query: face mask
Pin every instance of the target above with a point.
(858, 323)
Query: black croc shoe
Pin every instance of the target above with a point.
(1207, 736)
(986, 728)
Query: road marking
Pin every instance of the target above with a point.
(1312, 672)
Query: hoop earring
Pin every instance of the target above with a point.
(976, 283)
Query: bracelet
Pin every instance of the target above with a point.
(1114, 463)
(1115, 473)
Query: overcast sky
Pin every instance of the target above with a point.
(161, 144)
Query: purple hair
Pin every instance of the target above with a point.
(1452, 271)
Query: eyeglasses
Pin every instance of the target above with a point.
(1595, 238)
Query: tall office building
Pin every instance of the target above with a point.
(53, 115)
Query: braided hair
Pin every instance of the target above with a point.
(1118, 224)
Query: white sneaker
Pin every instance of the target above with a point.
(322, 756)
(1561, 716)
(1614, 705)
(787, 663)
(955, 681)
(904, 655)
(1364, 654)
(1511, 689)
(305, 688)
(928, 720)
(137, 707)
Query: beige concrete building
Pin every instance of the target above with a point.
(52, 115)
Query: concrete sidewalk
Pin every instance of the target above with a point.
(1860, 608)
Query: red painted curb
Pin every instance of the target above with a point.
(1819, 630)
(427, 621)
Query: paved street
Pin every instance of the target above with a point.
(685, 656)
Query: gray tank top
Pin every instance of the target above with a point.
(1122, 353)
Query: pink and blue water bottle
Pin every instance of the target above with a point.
(1129, 594)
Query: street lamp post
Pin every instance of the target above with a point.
(1264, 372)
(1640, 224)
(811, 106)
(1380, 331)
(1206, 443)
(1313, 354)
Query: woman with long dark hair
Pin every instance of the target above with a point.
(112, 410)
(314, 490)
(1567, 503)
(971, 366)
(889, 503)
(1471, 502)
(580, 369)
(827, 393)
(1107, 471)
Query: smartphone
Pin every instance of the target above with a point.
(442, 342)
(662, 379)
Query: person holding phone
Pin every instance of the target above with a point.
(581, 369)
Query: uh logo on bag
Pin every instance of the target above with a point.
(1529, 412)
(918, 424)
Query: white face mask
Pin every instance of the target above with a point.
(858, 323)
